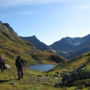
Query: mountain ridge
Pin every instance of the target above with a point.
(72, 46)
(67, 47)
(37, 43)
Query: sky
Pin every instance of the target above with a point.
(48, 20)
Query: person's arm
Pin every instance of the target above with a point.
(16, 63)
(23, 62)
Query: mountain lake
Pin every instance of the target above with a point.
(42, 67)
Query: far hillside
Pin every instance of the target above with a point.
(74, 73)
(74, 64)
(72, 47)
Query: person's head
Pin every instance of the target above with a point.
(18, 56)
(0, 55)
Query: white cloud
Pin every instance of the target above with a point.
(9, 3)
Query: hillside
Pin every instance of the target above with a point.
(12, 45)
(74, 73)
(72, 47)
(74, 63)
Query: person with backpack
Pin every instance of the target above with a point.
(2, 63)
(19, 64)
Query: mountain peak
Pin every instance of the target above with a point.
(37, 43)
(34, 37)
(72, 47)
(0, 21)
(87, 36)
(7, 27)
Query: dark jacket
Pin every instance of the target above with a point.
(19, 62)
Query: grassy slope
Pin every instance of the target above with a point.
(73, 64)
(11, 45)
(32, 80)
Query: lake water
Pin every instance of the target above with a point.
(42, 67)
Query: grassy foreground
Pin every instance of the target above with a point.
(32, 80)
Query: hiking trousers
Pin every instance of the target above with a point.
(2, 66)
(20, 73)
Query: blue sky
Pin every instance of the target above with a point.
(49, 20)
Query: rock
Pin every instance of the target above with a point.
(56, 78)
(7, 66)
(13, 84)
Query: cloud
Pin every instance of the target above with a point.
(9, 3)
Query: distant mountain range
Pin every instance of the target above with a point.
(67, 47)
(72, 47)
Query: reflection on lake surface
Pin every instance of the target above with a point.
(42, 67)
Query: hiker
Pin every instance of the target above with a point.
(2, 63)
(19, 64)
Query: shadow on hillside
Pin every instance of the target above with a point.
(3, 81)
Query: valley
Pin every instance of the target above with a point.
(72, 74)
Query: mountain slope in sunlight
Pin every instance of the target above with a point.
(12, 45)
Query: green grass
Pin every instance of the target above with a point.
(72, 65)
(33, 80)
